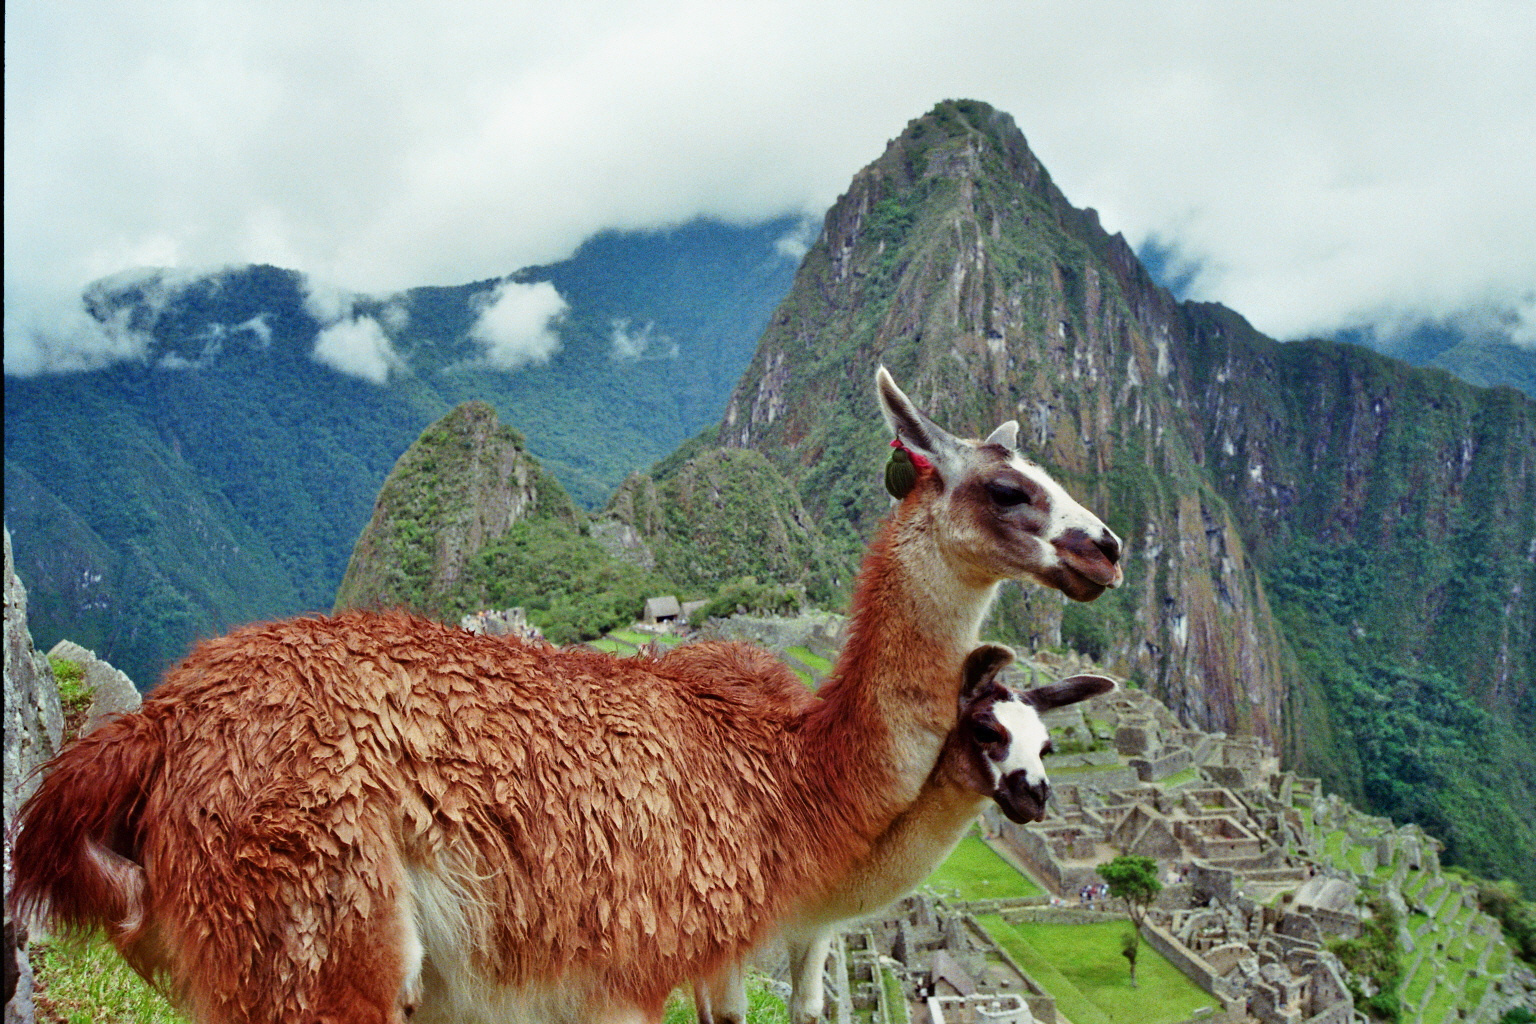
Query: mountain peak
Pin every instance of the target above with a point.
(465, 481)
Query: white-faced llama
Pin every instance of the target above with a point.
(375, 817)
(995, 752)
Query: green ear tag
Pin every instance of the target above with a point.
(900, 474)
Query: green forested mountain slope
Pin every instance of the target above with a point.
(469, 520)
(1327, 547)
(226, 475)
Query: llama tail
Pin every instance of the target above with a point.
(75, 845)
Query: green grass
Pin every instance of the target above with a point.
(763, 1007)
(897, 1011)
(1183, 778)
(813, 661)
(1084, 769)
(88, 983)
(1081, 967)
(610, 646)
(639, 639)
(1446, 998)
(974, 871)
(1419, 983)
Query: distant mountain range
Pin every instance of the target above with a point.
(1327, 547)
(225, 476)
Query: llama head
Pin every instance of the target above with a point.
(998, 515)
(1002, 736)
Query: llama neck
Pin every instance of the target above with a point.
(892, 697)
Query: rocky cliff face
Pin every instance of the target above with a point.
(34, 727)
(1232, 464)
(463, 483)
(954, 260)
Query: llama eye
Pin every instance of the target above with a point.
(1049, 748)
(1007, 495)
(984, 733)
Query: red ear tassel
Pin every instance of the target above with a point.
(917, 460)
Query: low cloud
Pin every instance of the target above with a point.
(46, 332)
(351, 342)
(358, 347)
(797, 242)
(64, 340)
(516, 324)
(631, 343)
(1523, 333)
(1312, 161)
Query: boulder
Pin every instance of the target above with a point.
(112, 692)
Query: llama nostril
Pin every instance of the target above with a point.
(1110, 545)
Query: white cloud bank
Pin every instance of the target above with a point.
(517, 324)
(1320, 163)
(357, 347)
(351, 342)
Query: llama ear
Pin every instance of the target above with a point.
(982, 667)
(1069, 691)
(1007, 435)
(916, 432)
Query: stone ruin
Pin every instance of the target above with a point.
(945, 964)
(1248, 905)
(507, 622)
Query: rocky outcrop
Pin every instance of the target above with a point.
(112, 692)
(34, 726)
(464, 482)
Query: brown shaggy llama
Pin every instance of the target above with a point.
(365, 818)
(995, 752)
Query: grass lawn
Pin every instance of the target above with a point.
(812, 661)
(1081, 966)
(88, 983)
(974, 872)
(610, 646)
(1081, 770)
(639, 639)
(1184, 778)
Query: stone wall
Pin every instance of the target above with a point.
(1190, 963)
(1169, 763)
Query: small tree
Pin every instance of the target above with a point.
(1130, 945)
(1134, 880)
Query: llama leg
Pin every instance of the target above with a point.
(722, 998)
(807, 960)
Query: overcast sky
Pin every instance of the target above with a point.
(1319, 164)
